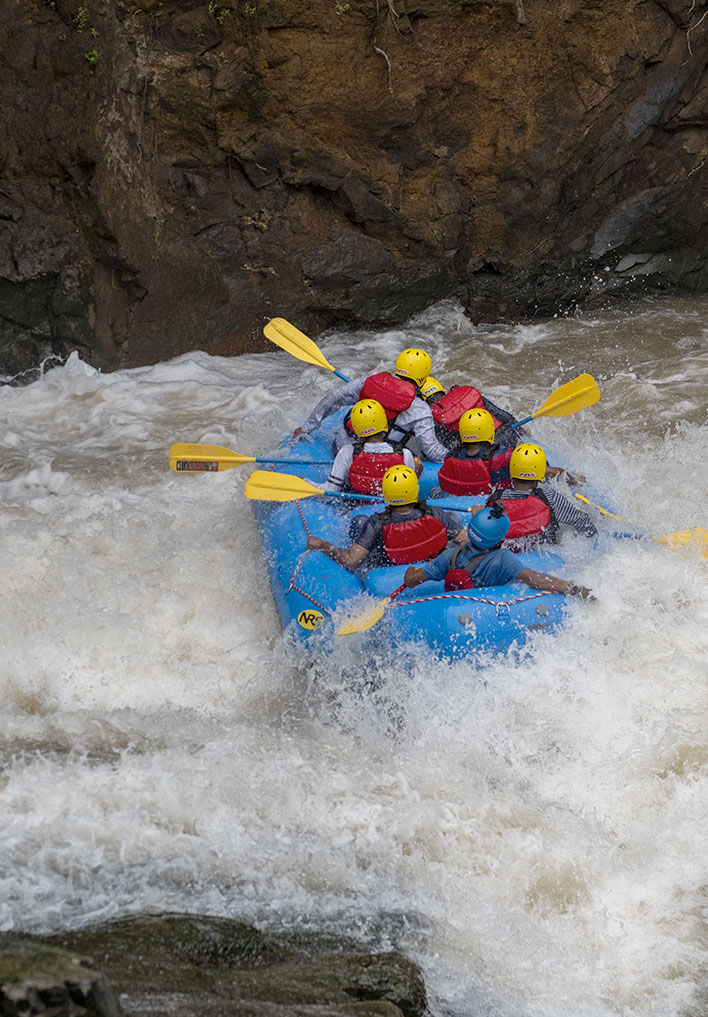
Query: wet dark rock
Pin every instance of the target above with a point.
(183, 965)
(175, 174)
(36, 979)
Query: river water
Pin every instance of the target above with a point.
(533, 833)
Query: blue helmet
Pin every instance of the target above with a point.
(488, 528)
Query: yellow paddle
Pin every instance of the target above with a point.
(569, 398)
(295, 342)
(368, 618)
(265, 486)
(213, 458)
(676, 541)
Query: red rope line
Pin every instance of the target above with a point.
(304, 522)
(297, 589)
(302, 557)
(464, 596)
(297, 569)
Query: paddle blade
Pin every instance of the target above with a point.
(605, 512)
(365, 620)
(569, 398)
(295, 342)
(265, 486)
(694, 539)
(186, 458)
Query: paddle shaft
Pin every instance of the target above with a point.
(605, 512)
(295, 462)
(442, 504)
(351, 497)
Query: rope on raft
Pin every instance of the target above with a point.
(298, 566)
(479, 600)
(297, 589)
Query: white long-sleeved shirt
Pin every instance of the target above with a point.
(417, 419)
(339, 475)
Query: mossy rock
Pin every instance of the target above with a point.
(38, 979)
(176, 952)
(335, 980)
(219, 962)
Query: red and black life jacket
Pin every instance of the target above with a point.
(367, 468)
(414, 540)
(533, 520)
(462, 476)
(461, 578)
(394, 394)
(460, 398)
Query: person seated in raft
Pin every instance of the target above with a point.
(537, 514)
(477, 465)
(360, 467)
(409, 416)
(447, 408)
(407, 530)
(484, 562)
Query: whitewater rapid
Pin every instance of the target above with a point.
(533, 832)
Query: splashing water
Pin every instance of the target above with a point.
(532, 832)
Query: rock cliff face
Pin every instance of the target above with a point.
(175, 172)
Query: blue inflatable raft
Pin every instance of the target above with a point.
(315, 596)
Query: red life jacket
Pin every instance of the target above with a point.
(471, 476)
(528, 515)
(448, 410)
(367, 470)
(394, 394)
(461, 579)
(415, 540)
(531, 516)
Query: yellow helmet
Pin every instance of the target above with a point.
(413, 364)
(528, 462)
(368, 417)
(399, 485)
(431, 387)
(477, 425)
